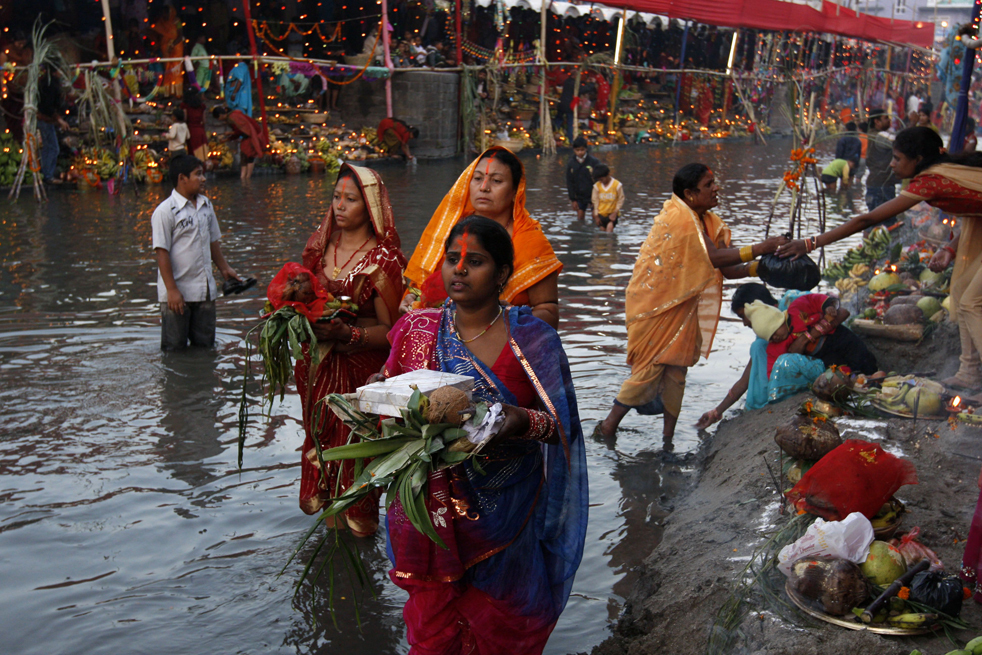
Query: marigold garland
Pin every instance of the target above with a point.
(803, 159)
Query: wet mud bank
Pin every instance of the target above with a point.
(732, 508)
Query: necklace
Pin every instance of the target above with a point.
(463, 340)
(337, 246)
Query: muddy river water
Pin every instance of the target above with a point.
(125, 526)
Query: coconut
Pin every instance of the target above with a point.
(838, 584)
(299, 288)
(929, 305)
(882, 281)
(808, 438)
(884, 564)
(928, 277)
(808, 576)
(844, 588)
(946, 304)
(446, 405)
(903, 315)
(926, 401)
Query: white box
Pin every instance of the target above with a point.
(386, 398)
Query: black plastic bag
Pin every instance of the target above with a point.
(784, 273)
(940, 592)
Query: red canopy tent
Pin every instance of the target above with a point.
(782, 15)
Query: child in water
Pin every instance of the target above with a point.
(607, 199)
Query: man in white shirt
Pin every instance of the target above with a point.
(186, 240)
(913, 102)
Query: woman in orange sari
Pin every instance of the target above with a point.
(674, 297)
(355, 252)
(168, 27)
(493, 186)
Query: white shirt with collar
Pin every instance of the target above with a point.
(186, 230)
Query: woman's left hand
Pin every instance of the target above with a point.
(773, 243)
(516, 422)
(333, 330)
(793, 249)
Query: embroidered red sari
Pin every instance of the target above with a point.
(377, 275)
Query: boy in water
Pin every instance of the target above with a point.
(186, 240)
(579, 177)
(607, 199)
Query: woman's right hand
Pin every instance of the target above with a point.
(793, 249)
(407, 303)
(333, 330)
(708, 419)
(941, 260)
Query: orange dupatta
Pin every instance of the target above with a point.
(534, 257)
(675, 294)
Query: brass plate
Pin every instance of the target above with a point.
(805, 606)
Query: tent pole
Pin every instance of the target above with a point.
(678, 84)
(384, 26)
(255, 66)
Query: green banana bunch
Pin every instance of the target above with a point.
(959, 652)
(913, 621)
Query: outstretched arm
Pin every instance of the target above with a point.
(734, 394)
(889, 209)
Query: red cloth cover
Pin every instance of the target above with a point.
(858, 476)
(274, 292)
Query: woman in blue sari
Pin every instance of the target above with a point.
(238, 89)
(515, 525)
(791, 373)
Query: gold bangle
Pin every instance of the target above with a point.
(752, 269)
(746, 253)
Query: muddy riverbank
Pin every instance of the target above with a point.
(732, 508)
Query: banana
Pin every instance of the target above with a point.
(971, 419)
(959, 652)
(884, 521)
(975, 646)
(913, 621)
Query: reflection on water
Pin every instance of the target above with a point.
(125, 525)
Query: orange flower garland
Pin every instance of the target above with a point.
(802, 158)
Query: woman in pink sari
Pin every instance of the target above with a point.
(355, 253)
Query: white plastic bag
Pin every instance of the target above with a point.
(480, 434)
(846, 539)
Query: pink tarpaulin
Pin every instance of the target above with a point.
(782, 15)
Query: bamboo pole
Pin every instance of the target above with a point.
(110, 45)
(615, 88)
(255, 66)
(545, 121)
(387, 52)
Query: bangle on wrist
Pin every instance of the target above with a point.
(746, 253)
(949, 249)
(752, 268)
(355, 335)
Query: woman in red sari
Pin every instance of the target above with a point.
(354, 253)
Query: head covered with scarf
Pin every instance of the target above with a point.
(382, 222)
(534, 256)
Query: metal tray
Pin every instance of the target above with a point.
(850, 623)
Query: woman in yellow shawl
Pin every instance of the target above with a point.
(952, 183)
(493, 186)
(674, 297)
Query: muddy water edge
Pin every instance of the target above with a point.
(125, 525)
